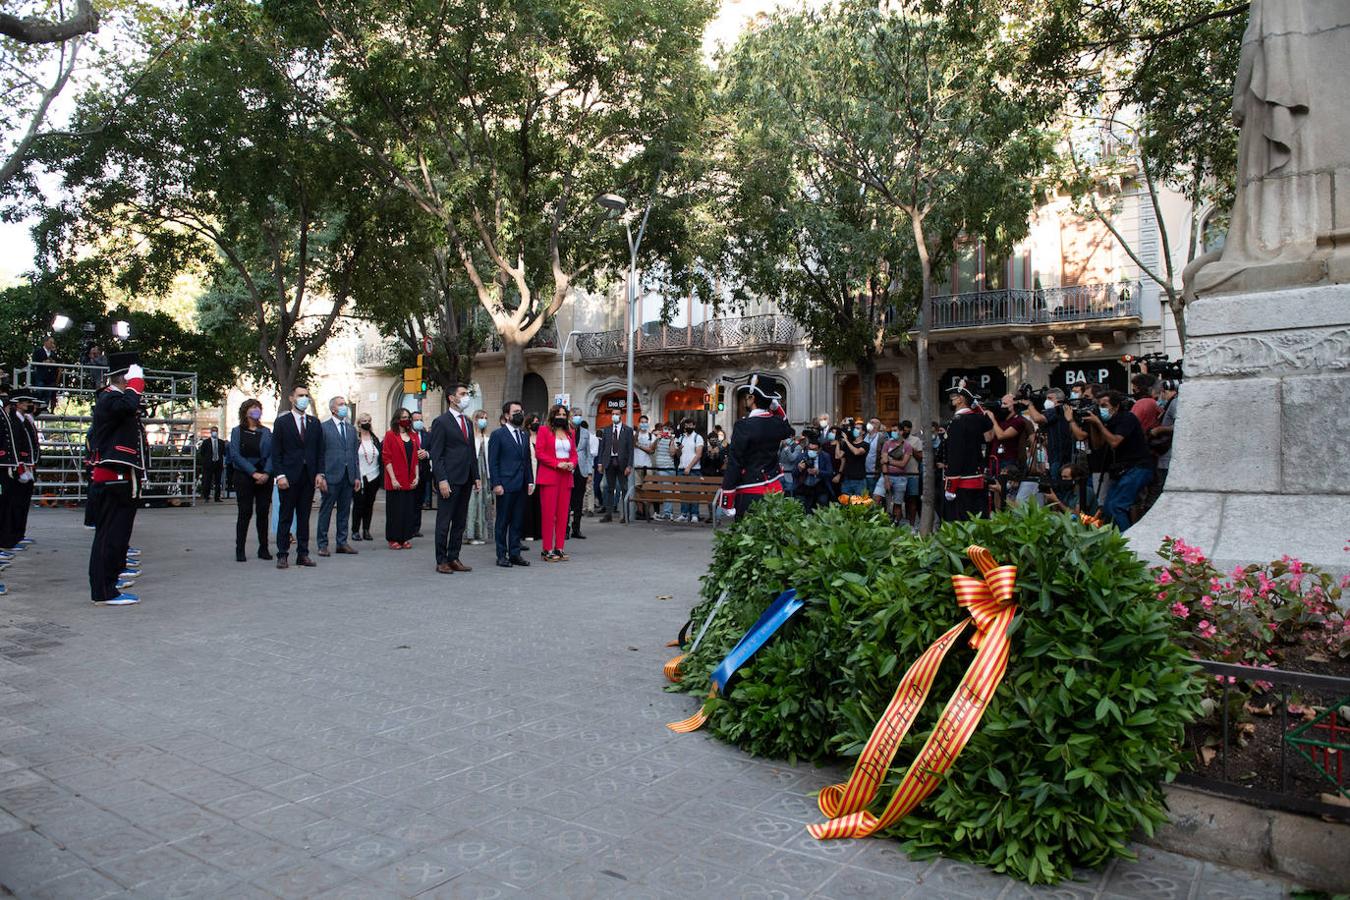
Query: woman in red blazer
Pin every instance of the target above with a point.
(399, 454)
(555, 445)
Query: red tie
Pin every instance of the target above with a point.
(464, 428)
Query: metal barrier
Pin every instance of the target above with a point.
(1077, 303)
(170, 400)
(1307, 750)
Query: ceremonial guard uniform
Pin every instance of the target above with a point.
(20, 477)
(752, 468)
(7, 464)
(964, 489)
(119, 455)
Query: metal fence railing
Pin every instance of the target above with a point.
(1077, 303)
(715, 335)
(1281, 745)
(170, 403)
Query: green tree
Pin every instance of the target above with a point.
(831, 253)
(220, 156)
(507, 121)
(925, 115)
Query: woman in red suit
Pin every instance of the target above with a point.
(556, 447)
(399, 452)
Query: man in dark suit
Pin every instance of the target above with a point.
(512, 480)
(614, 462)
(342, 471)
(45, 372)
(454, 463)
(211, 463)
(297, 466)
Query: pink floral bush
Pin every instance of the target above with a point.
(1255, 614)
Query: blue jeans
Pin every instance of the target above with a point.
(853, 486)
(689, 510)
(1123, 492)
(667, 508)
(339, 495)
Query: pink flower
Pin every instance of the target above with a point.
(1273, 626)
(1205, 629)
(1179, 610)
(1162, 595)
(1247, 594)
(1164, 576)
(1207, 601)
(1232, 680)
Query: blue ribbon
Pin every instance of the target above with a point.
(779, 611)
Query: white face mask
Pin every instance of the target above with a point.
(1048, 404)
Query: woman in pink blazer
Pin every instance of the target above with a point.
(555, 445)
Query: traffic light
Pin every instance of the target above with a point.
(719, 400)
(412, 381)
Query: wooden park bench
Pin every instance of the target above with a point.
(677, 489)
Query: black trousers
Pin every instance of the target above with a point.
(15, 524)
(255, 501)
(402, 513)
(968, 502)
(451, 516)
(296, 500)
(510, 523)
(91, 504)
(211, 472)
(363, 505)
(114, 516)
(579, 480)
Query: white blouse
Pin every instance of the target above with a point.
(368, 456)
(563, 447)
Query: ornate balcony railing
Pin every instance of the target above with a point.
(713, 336)
(1079, 303)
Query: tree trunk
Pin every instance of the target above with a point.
(1178, 305)
(513, 351)
(867, 380)
(926, 412)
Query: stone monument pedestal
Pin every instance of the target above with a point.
(1261, 453)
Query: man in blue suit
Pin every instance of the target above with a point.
(342, 472)
(297, 466)
(512, 481)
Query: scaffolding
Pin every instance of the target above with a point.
(170, 402)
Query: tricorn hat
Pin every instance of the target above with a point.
(962, 390)
(24, 393)
(754, 388)
(119, 362)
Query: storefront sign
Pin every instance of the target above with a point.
(986, 382)
(1109, 372)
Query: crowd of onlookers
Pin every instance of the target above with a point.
(1090, 449)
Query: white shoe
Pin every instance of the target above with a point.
(681, 519)
(696, 520)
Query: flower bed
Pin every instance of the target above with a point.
(1283, 615)
(1086, 726)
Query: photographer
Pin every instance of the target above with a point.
(1160, 437)
(1053, 423)
(1117, 433)
(814, 473)
(1010, 430)
(1143, 388)
(853, 455)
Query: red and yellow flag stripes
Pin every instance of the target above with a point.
(989, 600)
(694, 722)
(672, 668)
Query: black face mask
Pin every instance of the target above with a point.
(518, 419)
(689, 429)
(559, 422)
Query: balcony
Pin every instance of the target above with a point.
(1048, 306)
(714, 337)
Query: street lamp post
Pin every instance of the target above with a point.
(562, 359)
(617, 205)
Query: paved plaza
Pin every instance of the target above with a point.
(372, 729)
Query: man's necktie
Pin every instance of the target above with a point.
(463, 426)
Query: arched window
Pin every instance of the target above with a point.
(534, 395)
(1214, 231)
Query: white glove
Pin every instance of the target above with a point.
(135, 371)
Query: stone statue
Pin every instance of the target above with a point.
(1291, 218)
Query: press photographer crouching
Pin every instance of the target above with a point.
(1112, 429)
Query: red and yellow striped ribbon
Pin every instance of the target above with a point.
(989, 601)
(694, 722)
(1094, 521)
(672, 668)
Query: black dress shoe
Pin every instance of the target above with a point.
(577, 536)
(240, 556)
(365, 536)
(504, 563)
(264, 554)
(519, 561)
(305, 561)
(357, 537)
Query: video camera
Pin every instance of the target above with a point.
(1026, 395)
(1158, 364)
